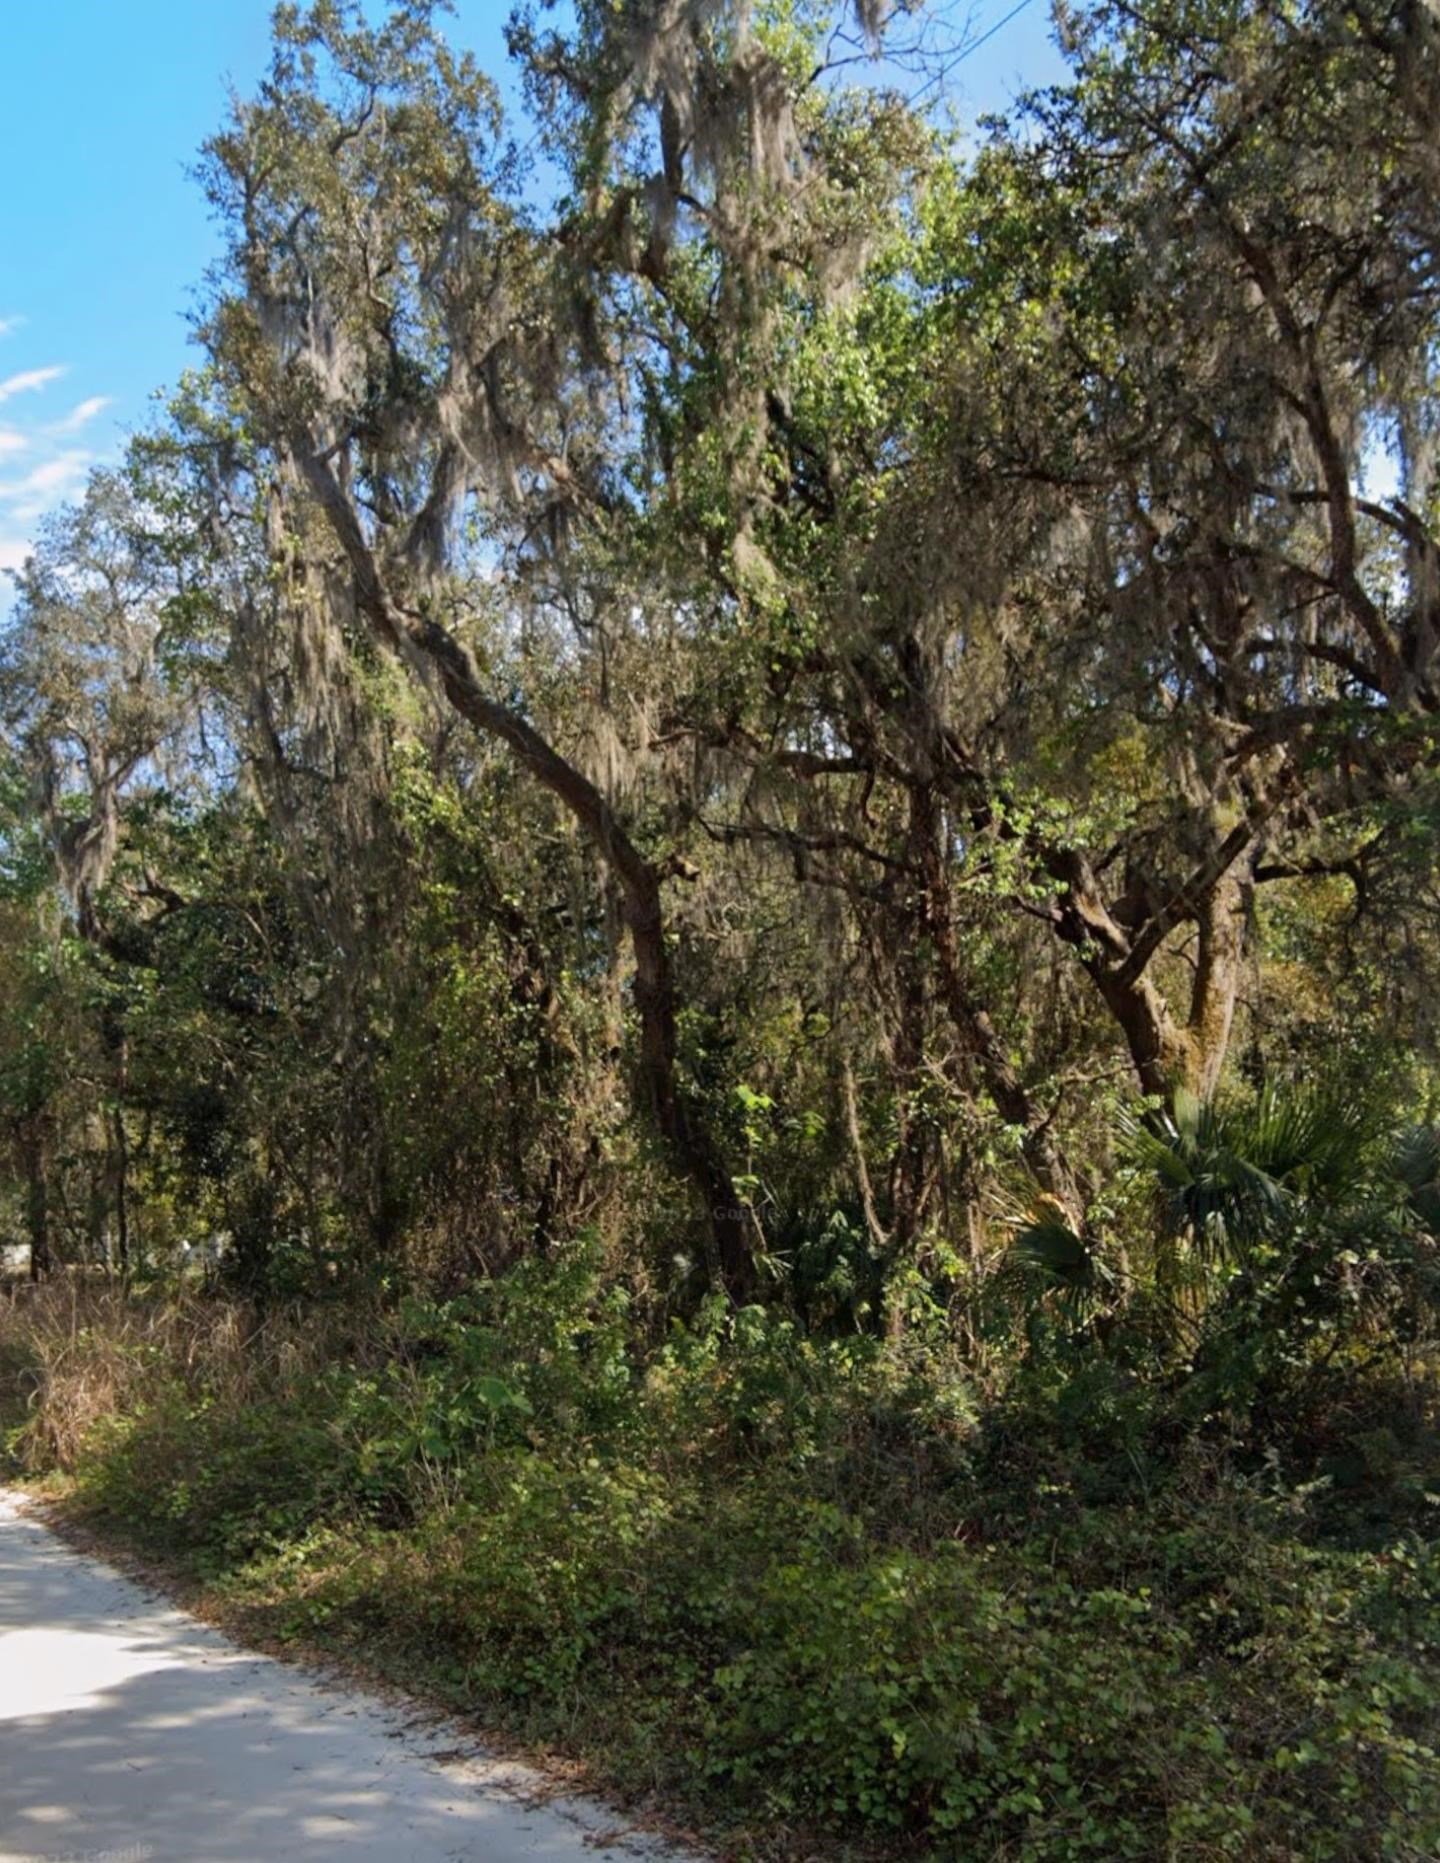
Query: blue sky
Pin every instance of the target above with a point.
(104, 238)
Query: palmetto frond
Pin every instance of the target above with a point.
(1231, 1174)
(1048, 1250)
(1417, 1166)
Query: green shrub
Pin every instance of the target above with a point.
(814, 1584)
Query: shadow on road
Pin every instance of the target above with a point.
(129, 1731)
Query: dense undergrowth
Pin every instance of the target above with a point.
(849, 722)
(802, 1584)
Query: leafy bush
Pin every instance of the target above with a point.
(810, 1583)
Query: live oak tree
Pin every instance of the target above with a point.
(97, 717)
(396, 331)
(440, 381)
(923, 644)
(1237, 263)
(1097, 583)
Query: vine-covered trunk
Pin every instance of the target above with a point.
(675, 1116)
(971, 1022)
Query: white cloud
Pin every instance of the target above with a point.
(8, 326)
(28, 381)
(50, 477)
(42, 464)
(79, 416)
(44, 486)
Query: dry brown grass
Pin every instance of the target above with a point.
(75, 1353)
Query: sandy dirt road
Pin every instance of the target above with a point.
(132, 1733)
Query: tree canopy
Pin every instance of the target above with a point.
(721, 916)
(747, 662)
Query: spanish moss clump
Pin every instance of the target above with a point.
(730, 831)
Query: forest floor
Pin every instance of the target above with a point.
(146, 1734)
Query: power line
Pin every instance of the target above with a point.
(941, 74)
(969, 50)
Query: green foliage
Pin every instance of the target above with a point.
(815, 1584)
(907, 714)
(1232, 1173)
(1061, 1259)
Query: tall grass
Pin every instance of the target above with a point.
(76, 1355)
